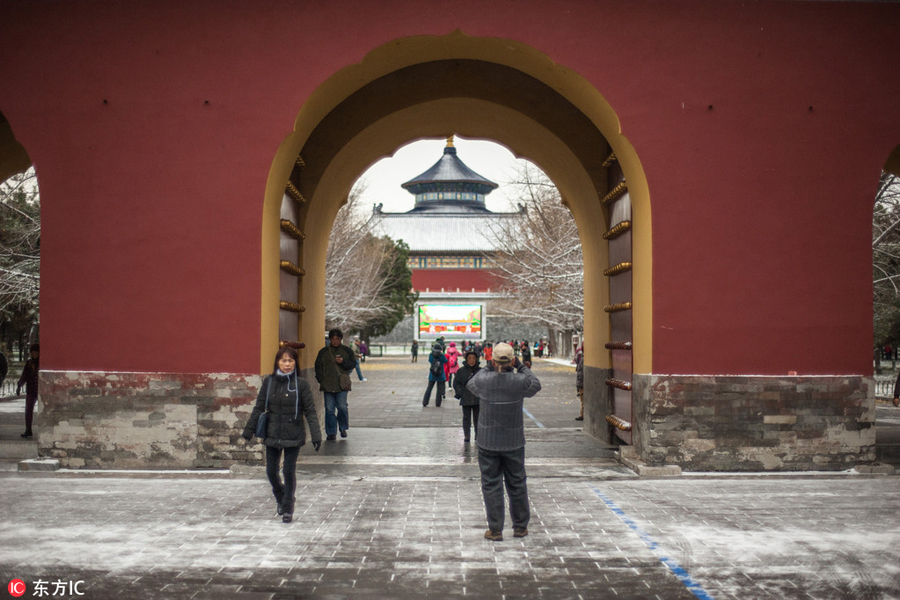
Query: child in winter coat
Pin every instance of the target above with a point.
(437, 362)
(467, 399)
(452, 362)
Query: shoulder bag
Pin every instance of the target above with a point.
(263, 422)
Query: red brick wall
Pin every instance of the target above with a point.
(761, 128)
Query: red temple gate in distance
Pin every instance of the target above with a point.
(191, 163)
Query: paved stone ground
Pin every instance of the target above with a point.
(392, 396)
(420, 537)
(396, 512)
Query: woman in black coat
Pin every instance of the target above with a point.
(284, 396)
(469, 401)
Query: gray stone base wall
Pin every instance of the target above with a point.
(754, 423)
(147, 420)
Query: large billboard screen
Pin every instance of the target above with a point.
(452, 321)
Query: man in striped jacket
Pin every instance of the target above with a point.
(502, 387)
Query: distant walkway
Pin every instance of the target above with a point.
(392, 396)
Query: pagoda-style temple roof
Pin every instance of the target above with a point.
(449, 183)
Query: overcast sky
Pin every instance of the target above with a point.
(488, 159)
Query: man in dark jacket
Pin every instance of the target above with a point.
(502, 388)
(29, 379)
(467, 399)
(335, 360)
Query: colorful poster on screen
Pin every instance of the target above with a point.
(452, 321)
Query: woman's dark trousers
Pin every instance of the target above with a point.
(499, 468)
(440, 393)
(284, 492)
(470, 417)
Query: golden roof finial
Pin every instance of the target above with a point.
(450, 142)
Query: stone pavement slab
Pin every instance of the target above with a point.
(395, 511)
(421, 537)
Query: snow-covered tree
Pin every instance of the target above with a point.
(538, 257)
(368, 283)
(20, 246)
(886, 260)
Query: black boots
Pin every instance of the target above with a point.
(27, 433)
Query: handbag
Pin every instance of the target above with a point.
(263, 422)
(343, 375)
(345, 382)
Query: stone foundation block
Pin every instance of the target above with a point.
(146, 420)
(754, 423)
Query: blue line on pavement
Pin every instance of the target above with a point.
(679, 572)
(531, 416)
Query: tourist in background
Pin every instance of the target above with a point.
(335, 360)
(436, 375)
(415, 351)
(363, 350)
(452, 362)
(467, 399)
(29, 379)
(357, 354)
(579, 378)
(4, 370)
(897, 391)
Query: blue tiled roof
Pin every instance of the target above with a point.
(449, 169)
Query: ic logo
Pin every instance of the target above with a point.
(17, 588)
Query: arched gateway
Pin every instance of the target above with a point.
(440, 86)
(154, 154)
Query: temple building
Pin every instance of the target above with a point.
(450, 233)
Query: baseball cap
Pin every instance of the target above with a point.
(503, 354)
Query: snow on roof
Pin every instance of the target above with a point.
(441, 233)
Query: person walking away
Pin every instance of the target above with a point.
(579, 378)
(436, 375)
(29, 379)
(467, 399)
(526, 354)
(363, 350)
(488, 353)
(897, 391)
(357, 354)
(4, 370)
(335, 360)
(415, 351)
(452, 362)
(284, 396)
(502, 388)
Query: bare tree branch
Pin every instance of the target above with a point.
(539, 257)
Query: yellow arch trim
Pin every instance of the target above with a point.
(406, 52)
